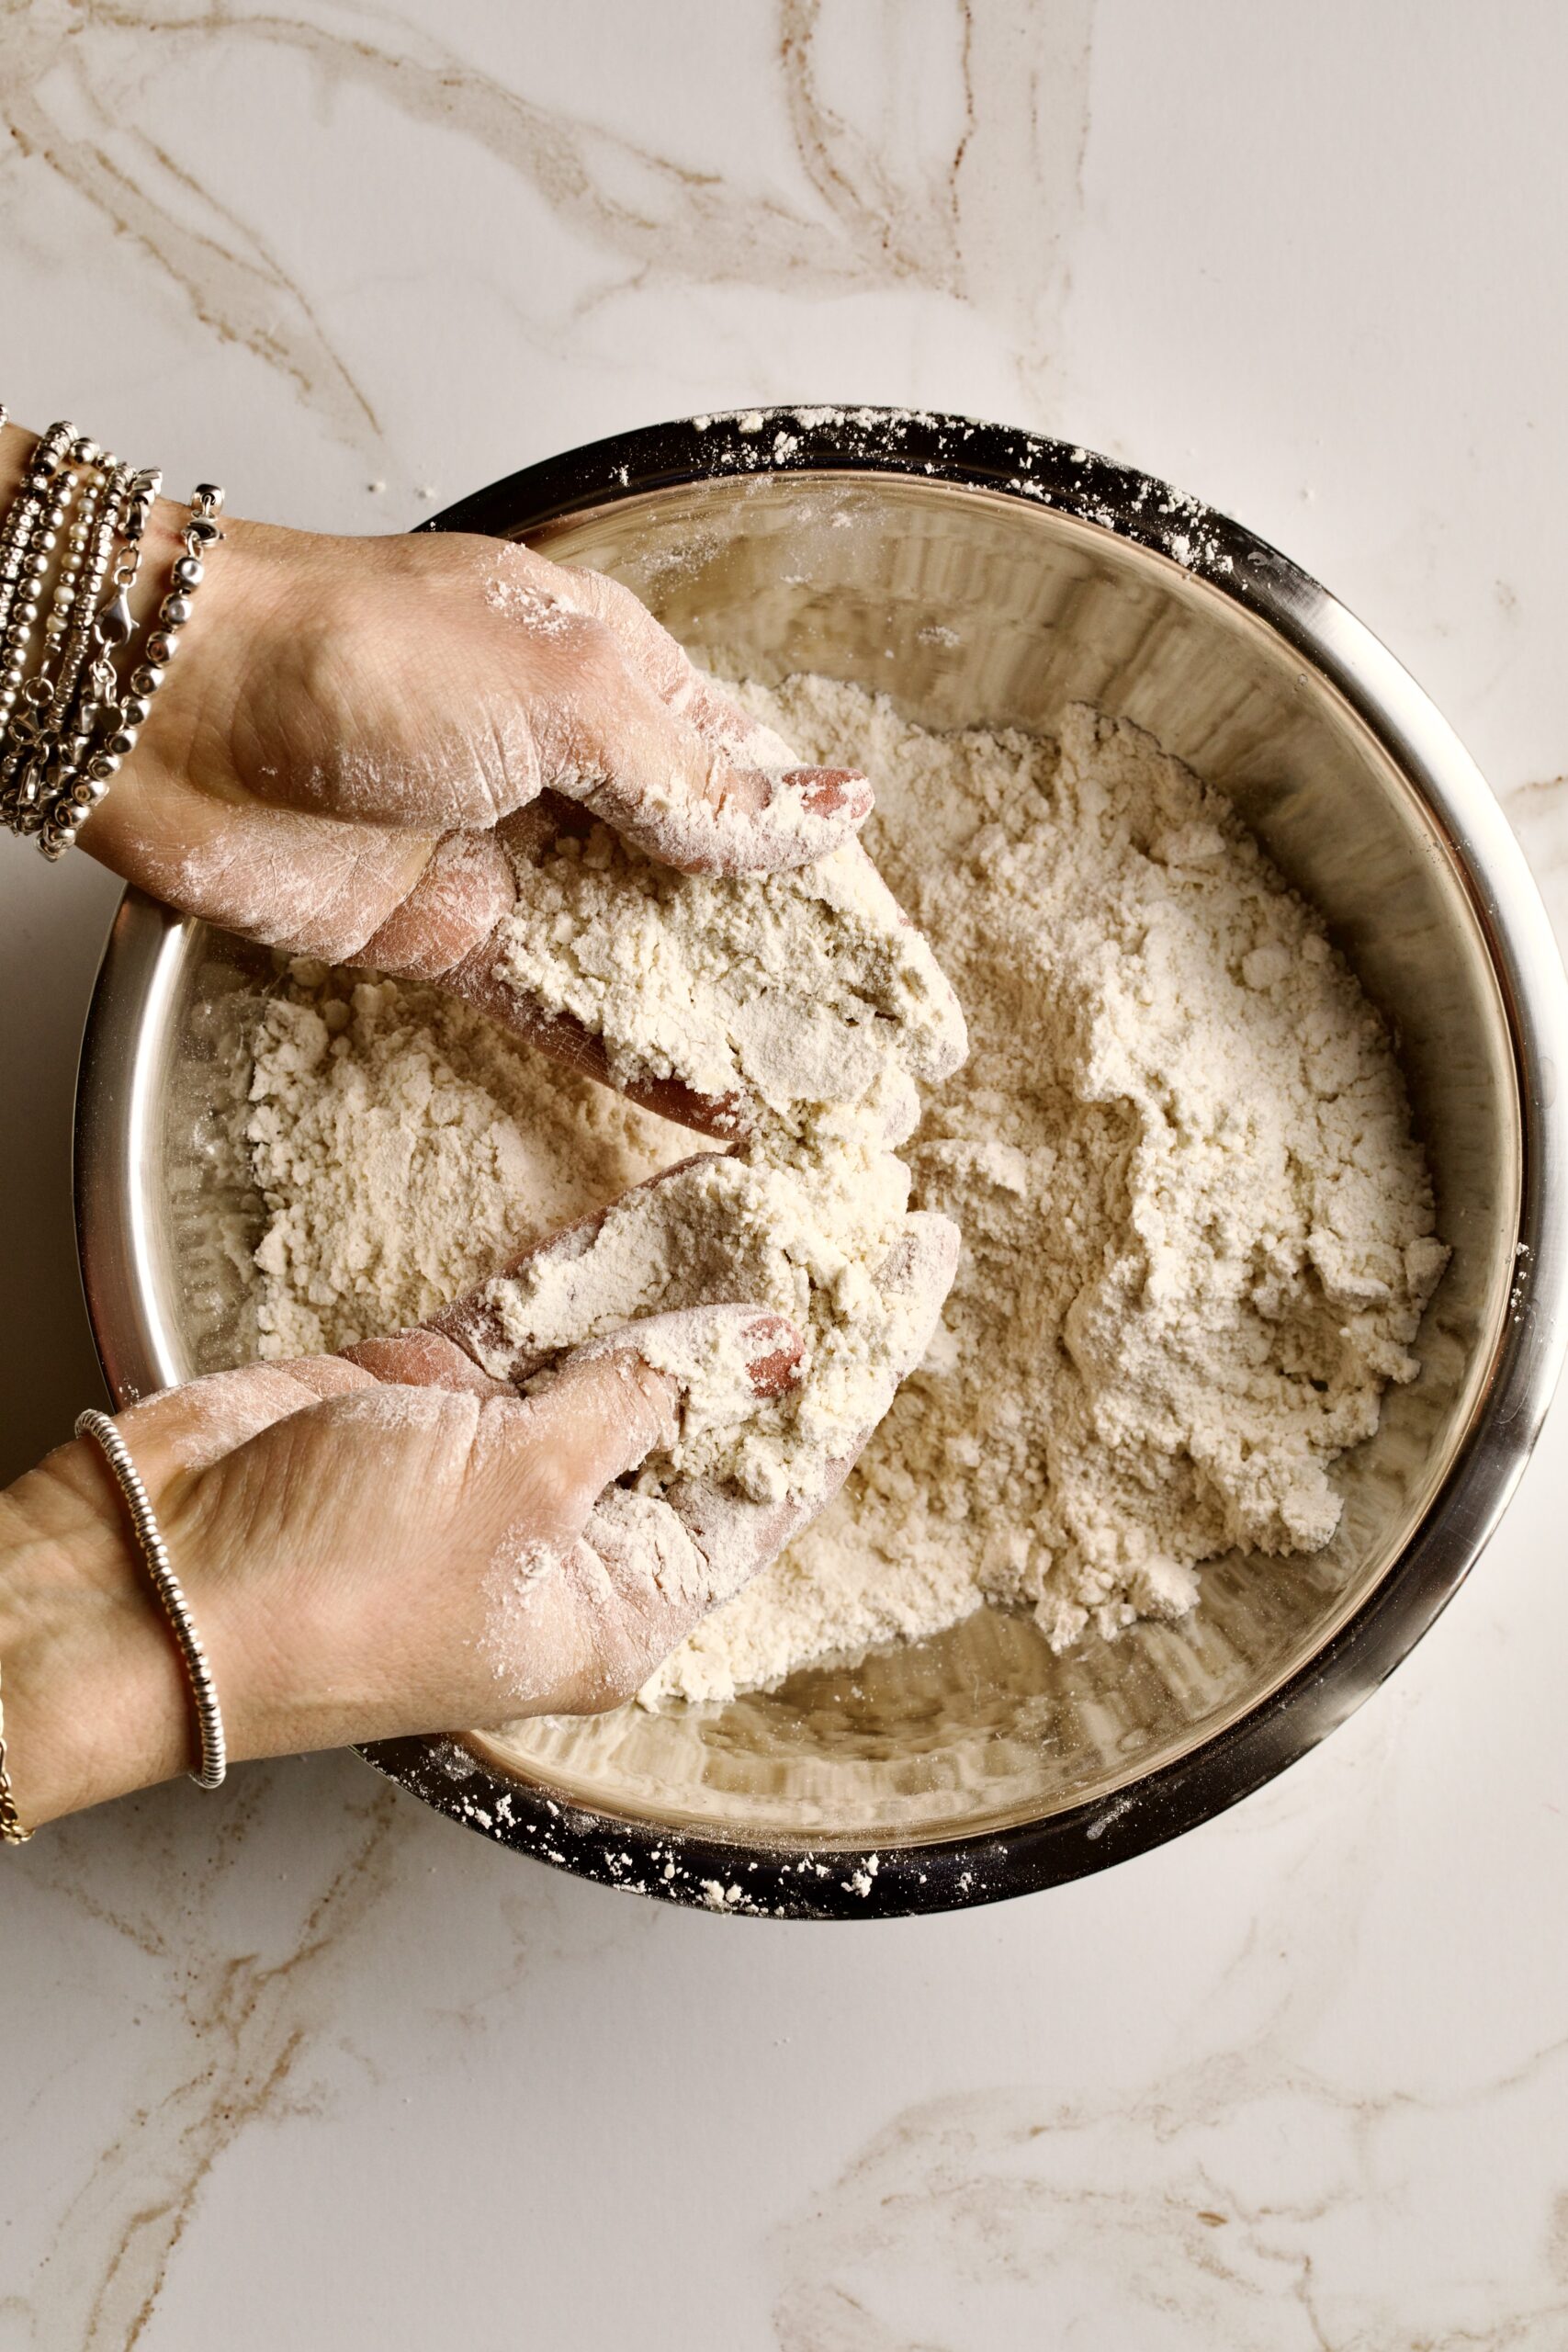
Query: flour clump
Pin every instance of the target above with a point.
(805, 1010)
(403, 1147)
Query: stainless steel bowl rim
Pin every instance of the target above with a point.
(841, 1880)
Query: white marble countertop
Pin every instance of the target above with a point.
(307, 2066)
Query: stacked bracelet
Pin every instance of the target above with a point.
(68, 718)
(12, 1833)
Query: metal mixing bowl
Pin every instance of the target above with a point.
(978, 575)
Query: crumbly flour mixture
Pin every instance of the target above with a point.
(405, 1146)
(1198, 1233)
(806, 1004)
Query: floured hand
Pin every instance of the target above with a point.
(733, 1489)
(349, 721)
(368, 1552)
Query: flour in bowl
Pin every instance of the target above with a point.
(806, 1006)
(1197, 1231)
(403, 1147)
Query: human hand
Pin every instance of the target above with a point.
(349, 721)
(585, 1283)
(366, 1552)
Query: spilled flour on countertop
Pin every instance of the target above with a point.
(1198, 1233)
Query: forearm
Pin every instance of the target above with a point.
(96, 1696)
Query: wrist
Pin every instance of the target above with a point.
(189, 735)
(94, 1696)
(96, 1700)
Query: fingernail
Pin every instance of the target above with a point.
(841, 792)
(776, 1366)
(787, 817)
(832, 792)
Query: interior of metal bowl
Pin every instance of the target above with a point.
(973, 609)
(970, 607)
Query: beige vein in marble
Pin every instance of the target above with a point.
(1244, 2202)
(1244, 2196)
(52, 58)
(981, 212)
(988, 220)
(248, 2024)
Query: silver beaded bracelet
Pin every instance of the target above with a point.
(212, 1748)
(67, 719)
(14, 1831)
